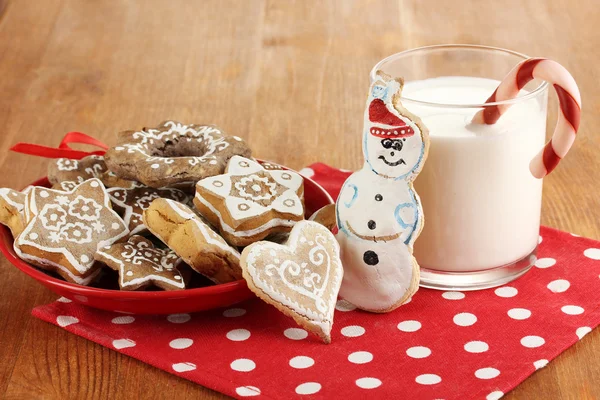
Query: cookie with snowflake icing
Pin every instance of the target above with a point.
(131, 203)
(249, 202)
(12, 204)
(200, 247)
(140, 264)
(66, 173)
(173, 153)
(66, 228)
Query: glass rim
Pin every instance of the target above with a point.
(543, 86)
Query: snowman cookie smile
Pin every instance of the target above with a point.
(392, 164)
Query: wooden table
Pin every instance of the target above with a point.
(291, 78)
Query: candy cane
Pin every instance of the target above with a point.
(568, 117)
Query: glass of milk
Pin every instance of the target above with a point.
(481, 204)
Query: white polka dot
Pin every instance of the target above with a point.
(545, 262)
(506, 291)
(559, 286)
(464, 319)
(418, 352)
(307, 172)
(66, 320)
(123, 343)
(123, 320)
(238, 335)
(179, 318)
(115, 225)
(540, 363)
(181, 343)
(247, 391)
(476, 346)
(428, 379)
(234, 312)
(532, 341)
(155, 166)
(184, 367)
(519, 313)
(487, 373)
(33, 236)
(353, 331)
(409, 326)
(572, 310)
(94, 183)
(584, 330)
(243, 365)
(453, 295)
(592, 253)
(343, 305)
(495, 395)
(360, 357)
(540, 239)
(368, 383)
(308, 388)
(84, 258)
(44, 194)
(301, 362)
(295, 333)
(64, 300)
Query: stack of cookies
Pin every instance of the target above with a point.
(167, 203)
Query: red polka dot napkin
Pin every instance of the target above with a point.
(442, 345)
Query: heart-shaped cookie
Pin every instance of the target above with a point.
(301, 277)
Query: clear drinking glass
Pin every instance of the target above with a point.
(481, 204)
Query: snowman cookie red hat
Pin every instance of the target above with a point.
(385, 122)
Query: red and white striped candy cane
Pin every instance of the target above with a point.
(568, 117)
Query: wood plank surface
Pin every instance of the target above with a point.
(291, 78)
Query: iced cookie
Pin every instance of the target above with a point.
(131, 203)
(140, 264)
(193, 240)
(173, 153)
(67, 228)
(66, 173)
(301, 278)
(325, 216)
(248, 202)
(12, 203)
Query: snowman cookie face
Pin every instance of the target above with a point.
(394, 144)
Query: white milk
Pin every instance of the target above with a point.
(481, 203)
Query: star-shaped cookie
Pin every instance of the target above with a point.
(249, 202)
(65, 228)
(131, 203)
(140, 264)
(66, 173)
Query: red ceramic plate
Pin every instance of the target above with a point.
(158, 302)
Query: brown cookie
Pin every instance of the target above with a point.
(325, 216)
(140, 264)
(193, 240)
(249, 203)
(12, 204)
(66, 173)
(131, 203)
(66, 228)
(173, 153)
(301, 278)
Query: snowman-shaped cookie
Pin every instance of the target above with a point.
(379, 214)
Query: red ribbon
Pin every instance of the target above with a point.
(63, 149)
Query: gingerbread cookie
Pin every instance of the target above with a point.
(66, 173)
(173, 153)
(140, 264)
(192, 240)
(131, 203)
(67, 227)
(301, 278)
(325, 216)
(248, 202)
(12, 215)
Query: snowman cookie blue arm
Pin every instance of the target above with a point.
(347, 197)
(407, 216)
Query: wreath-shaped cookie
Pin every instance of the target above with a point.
(173, 153)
